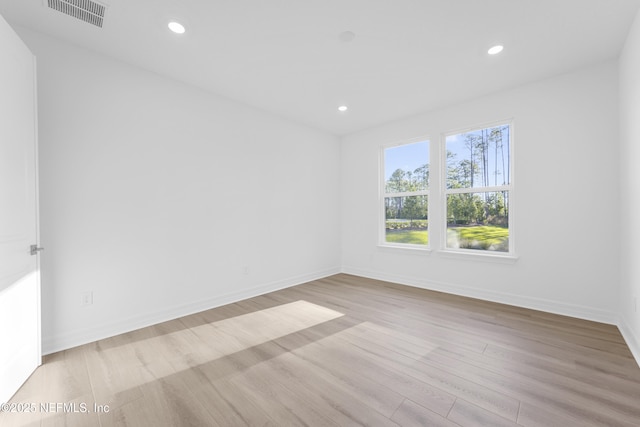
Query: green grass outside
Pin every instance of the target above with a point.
(480, 237)
(413, 237)
(474, 237)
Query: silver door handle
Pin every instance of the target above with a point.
(35, 249)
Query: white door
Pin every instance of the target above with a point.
(19, 273)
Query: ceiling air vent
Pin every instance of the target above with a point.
(84, 10)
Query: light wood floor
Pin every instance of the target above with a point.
(345, 351)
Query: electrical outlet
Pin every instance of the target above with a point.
(86, 298)
(245, 270)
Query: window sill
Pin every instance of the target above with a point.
(483, 257)
(407, 249)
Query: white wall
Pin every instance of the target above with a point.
(566, 199)
(155, 196)
(630, 188)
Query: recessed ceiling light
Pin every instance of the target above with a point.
(495, 50)
(176, 27)
(343, 108)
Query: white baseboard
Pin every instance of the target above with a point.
(84, 336)
(549, 306)
(632, 340)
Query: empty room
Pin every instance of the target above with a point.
(319, 213)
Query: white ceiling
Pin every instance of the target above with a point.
(408, 56)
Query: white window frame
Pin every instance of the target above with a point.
(382, 242)
(480, 253)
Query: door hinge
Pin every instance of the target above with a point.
(35, 249)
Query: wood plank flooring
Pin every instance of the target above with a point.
(343, 351)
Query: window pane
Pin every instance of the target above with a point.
(406, 220)
(478, 221)
(406, 167)
(479, 158)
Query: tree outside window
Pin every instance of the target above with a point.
(478, 189)
(406, 194)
